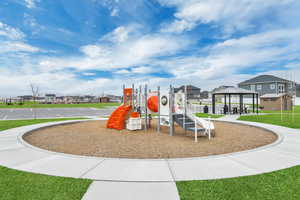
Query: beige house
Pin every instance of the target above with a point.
(276, 102)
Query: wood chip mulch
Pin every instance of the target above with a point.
(91, 138)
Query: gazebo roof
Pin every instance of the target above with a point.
(234, 90)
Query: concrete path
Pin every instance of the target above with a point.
(230, 117)
(132, 191)
(28, 113)
(130, 178)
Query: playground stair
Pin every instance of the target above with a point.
(186, 123)
(118, 117)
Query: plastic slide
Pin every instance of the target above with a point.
(118, 117)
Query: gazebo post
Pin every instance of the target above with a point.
(213, 104)
(225, 99)
(257, 103)
(241, 103)
(253, 102)
(230, 103)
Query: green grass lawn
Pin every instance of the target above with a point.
(7, 124)
(205, 115)
(81, 105)
(287, 120)
(17, 185)
(283, 184)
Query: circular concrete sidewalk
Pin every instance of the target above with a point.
(17, 154)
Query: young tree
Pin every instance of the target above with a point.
(35, 93)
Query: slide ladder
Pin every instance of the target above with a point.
(118, 117)
(190, 123)
(186, 123)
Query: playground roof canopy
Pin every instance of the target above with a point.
(234, 90)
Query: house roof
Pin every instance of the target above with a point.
(190, 88)
(273, 95)
(263, 79)
(234, 90)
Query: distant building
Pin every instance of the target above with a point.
(276, 102)
(26, 98)
(104, 100)
(88, 99)
(222, 87)
(50, 98)
(204, 95)
(193, 92)
(114, 99)
(268, 84)
(298, 90)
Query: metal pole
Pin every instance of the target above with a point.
(185, 97)
(229, 103)
(256, 103)
(132, 98)
(281, 108)
(196, 131)
(209, 130)
(171, 129)
(253, 102)
(140, 97)
(123, 94)
(213, 104)
(225, 99)
(241, 106)
(158, 119)
(146, 109)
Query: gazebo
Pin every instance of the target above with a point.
(229, 93)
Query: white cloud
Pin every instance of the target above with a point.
(10, 32)
(232, 15)
(94, 51)
(13, 40)
(178, 26)
(6, 47)
(122, 34)
(122, 71)
(260, 51)
(89, 74)
(144, 70)
(114, 12)
(135, 50)
(30, 3)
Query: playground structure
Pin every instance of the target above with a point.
(170, 107)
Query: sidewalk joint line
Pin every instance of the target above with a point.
(92, 168)
(171, 170)
(244, 164)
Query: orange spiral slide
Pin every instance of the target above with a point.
(118, 117)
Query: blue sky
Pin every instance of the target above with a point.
(95, 46)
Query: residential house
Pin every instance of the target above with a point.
(114, 99)
(26, 98)
(204, 95)
(222, 87)
(193, 92)
(88, 99)
(298, 90)
(104, 100)
(50, 98)
(269, 84)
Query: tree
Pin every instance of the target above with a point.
(35, 93)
